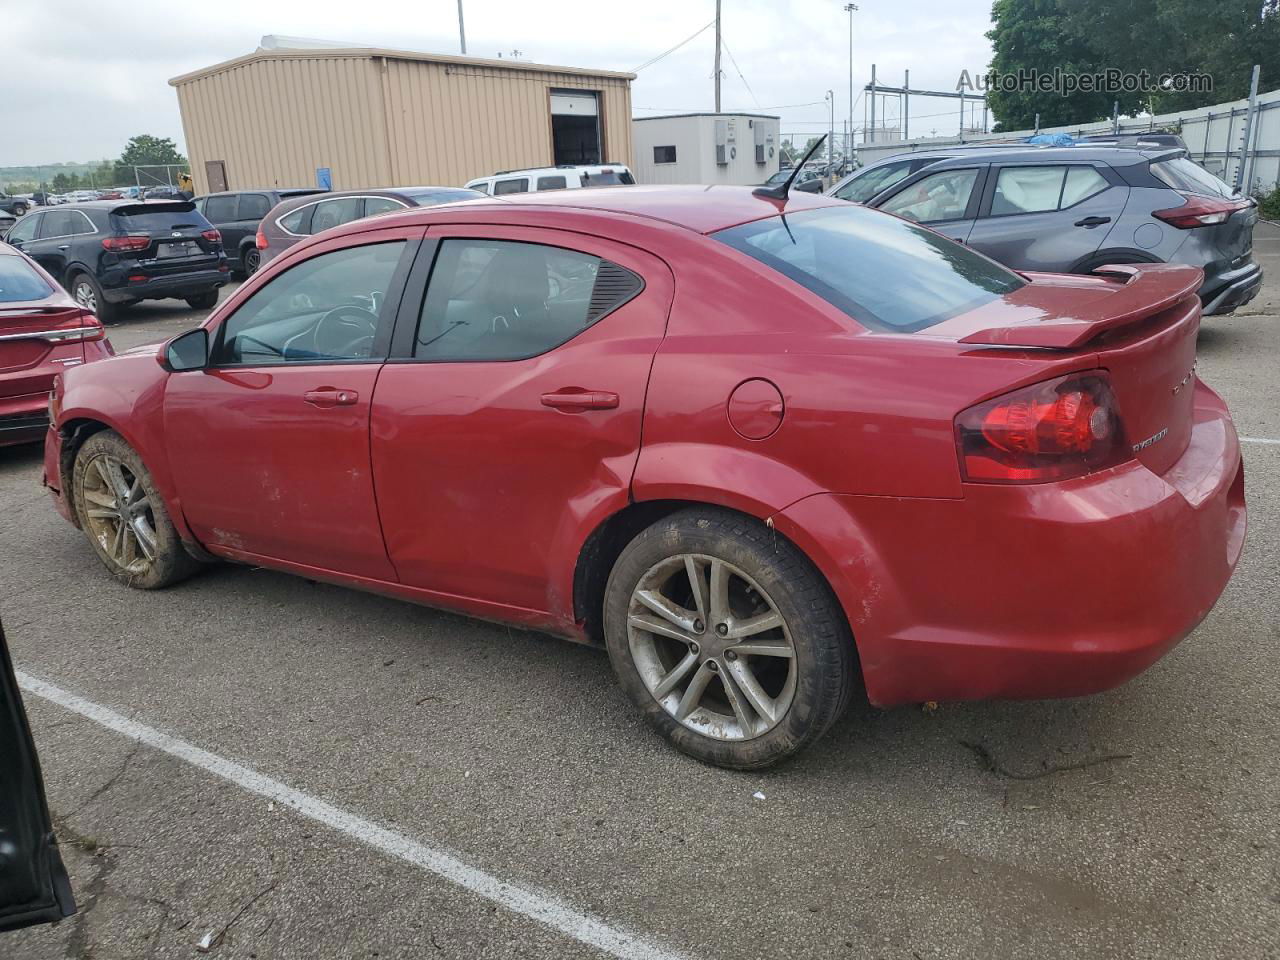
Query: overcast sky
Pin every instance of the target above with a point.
(78, 77)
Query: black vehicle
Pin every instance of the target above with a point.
(34, 887)
(15, 205)
(111, 253)
(237, 214)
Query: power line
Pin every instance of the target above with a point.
(734, 61)
(650, 63)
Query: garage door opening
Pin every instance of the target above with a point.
(575, 127)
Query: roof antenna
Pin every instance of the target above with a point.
(780, 192)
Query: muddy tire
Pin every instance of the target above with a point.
(727, 638)
(124, 517)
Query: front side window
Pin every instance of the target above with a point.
(326, 308)
(334, 213)
(221, 209)
(844, 255)
(865, 186)
(502, 300)
(941, 196)
(25, 229)
(511, 186)
(19, 281)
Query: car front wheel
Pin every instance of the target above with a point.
(727, 639)
(124, 517)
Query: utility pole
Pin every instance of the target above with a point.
(717, 55)
(462, 33)
(873, 103)
(850, 7)
(831, 131)
(906, 104)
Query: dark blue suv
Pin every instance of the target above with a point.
(111, 253)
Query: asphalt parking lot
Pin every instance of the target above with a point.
(1140, 823)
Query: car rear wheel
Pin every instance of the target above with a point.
(124, 517)
(252, 260)
(86, 292)
(727, 639)
(203, 301)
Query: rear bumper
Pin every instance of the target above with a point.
(1225, 292)
(23, 419)
(177, 285)
(1037, 591)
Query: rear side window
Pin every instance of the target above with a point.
(511, 186)
(156, 217)
(253, 206)
(502, 300)
(334, 213)
(64, 223)
(299, 221)
(1187, 176)
(552, 183)
(19, 281)
(1038, 189)
(374, 205)
(843, 254)
(221, 209)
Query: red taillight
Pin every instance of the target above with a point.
(260, 241)
(125, 244)
(86, 327)
(212, 235)
(1200, 211)
(1061, 428)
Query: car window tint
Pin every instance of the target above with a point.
(381, 205)
(500, 300)
(253, 206)
(64, 223)
(862, 188)
(25, 229)
(221, 209)
(334, 213)
(1082, 183)
(1027, 190)
(19, 281)
(511, 186)
(940, 196)
(299, 221)
(843, 254)
(326, 308)
(552, 183)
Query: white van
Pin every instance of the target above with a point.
(569, 177)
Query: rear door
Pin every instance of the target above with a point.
(34, 887)
(1049, 217)
(240, 233)
(945, 200)
(507, 423)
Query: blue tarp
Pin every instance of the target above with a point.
(1052, 139)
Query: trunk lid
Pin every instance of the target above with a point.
(1138, 322)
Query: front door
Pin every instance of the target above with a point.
(507, 423)
(269, 444)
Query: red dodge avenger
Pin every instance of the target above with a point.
(759, 448)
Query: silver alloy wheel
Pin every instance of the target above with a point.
(118, 514)
(85, 295)
(711, 647)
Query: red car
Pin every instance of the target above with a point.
(42, 332)
(757, 448)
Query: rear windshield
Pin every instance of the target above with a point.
(610, 178)
(884, 272)
(156, 217)
(1187, 176)
(19, 281)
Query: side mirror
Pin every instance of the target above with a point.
(190, 351)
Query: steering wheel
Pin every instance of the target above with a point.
(346, 331)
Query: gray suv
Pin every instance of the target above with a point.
(1072, 209)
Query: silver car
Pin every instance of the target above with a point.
(1073, 209)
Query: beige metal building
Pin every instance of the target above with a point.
(375, 117)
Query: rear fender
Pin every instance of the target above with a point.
(740, 479)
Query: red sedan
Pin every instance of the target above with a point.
(757, 448)
(42, 332)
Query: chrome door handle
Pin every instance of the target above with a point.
(64, 246)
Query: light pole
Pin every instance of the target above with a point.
(462, 33)
(850, 7)
(831, 133)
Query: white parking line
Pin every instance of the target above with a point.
(1260, 440)
(543, 908)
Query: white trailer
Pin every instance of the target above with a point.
(739, 148)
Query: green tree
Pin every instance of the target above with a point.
(146, 150)
(1034, 35)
